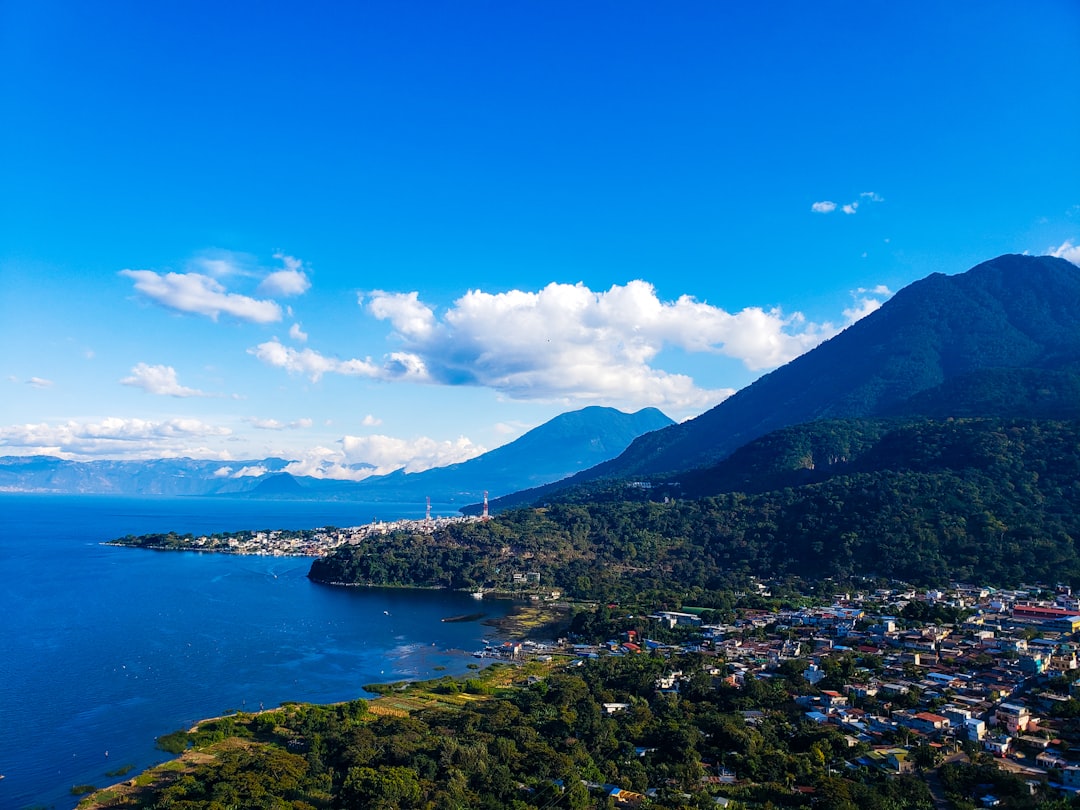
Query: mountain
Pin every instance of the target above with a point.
(559, 448)
(165, 476)
(1012, 319)
(924, 501)
(569, 443)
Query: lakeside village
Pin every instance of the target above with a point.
(287, 542)
(1002, 684)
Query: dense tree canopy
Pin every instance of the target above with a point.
(988, 500)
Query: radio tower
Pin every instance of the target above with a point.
(427, 513)
(485, 516)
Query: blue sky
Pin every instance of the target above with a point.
(402, 233)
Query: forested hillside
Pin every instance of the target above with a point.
(995, 501)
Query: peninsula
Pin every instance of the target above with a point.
(284, 542)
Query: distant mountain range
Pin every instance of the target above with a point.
(1001, 340)
(559, 448)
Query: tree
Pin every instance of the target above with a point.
(382, 789)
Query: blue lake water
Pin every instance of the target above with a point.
(104, 649)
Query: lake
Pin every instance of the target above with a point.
(103, 649)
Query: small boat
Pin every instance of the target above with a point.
(386, 613)
(477, 594)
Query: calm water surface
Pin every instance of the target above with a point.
(103, 649)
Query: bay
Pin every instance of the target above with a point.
(103, 649)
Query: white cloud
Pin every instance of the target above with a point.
(160, 380)
(311, 363)
(221, 263)
(370, 421)
(565, 343)
(410, 318)
(880, 289)
(866, 300)
(39, 382)
(223, 472)
(298, 334)
(388, 453)
(201, 294)
(1067, 250)
(274, 424)
(291, 281)
(567, 340)
(363, 456)
(266, 424)
(114, 437)
(251, 471)
(828, 206)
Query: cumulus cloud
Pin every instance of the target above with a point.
(565, 343)
(370, 421)
(567, 340)
(311, 363)
(114, 437)
(1067, 250)
(298, 334)
(39, 382)
(823, 207)
(361, 457)
(872, 196)
(160, 380)
(292, 280)
(200, 294)
(851, 208)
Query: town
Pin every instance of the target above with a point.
(998, 685)
(286, 542)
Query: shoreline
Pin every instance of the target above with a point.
(380, 704)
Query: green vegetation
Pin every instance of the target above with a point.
(540, 743)
(997, 501)
(174, 743)
(123, 770)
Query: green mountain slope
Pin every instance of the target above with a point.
(925, 501)
(1010, 315)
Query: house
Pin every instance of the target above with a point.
(974, 729)
(1015, 718)
(899, 761)
(832, 699)
(929, 723)
(673, 618)
(998, 746)
(1051, 759)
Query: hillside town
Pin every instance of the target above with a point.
(999, 685)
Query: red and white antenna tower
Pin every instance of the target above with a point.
(427, 513)
(485, 516)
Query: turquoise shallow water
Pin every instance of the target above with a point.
(103, 649)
